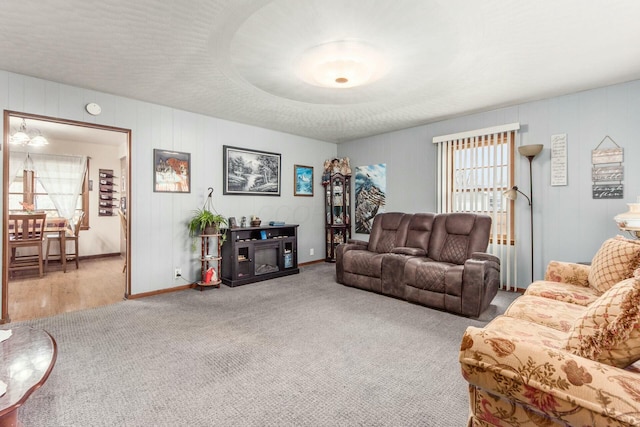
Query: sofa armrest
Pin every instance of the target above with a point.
(567, 272)
(358, 242)
(403, 250)
(480, 283)
(552, 381)
(483, 256)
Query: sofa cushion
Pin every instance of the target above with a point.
(426, 274)
(388, 231)
(616, 260)
(456, 236)
(419, 231)
(520, 330)
(574, 294)
(609, 330)
(555, 314)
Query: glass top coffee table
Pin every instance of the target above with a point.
(26, 360)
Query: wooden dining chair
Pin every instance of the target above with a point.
(73, 236)
(26, 231)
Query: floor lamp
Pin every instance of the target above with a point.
(529, 151)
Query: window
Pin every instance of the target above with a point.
(26, 189)
(481, 169)
(474, 169)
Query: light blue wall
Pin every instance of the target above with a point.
(159, 240)
(568, 223)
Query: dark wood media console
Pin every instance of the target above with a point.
(252, 254)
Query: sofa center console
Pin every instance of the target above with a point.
(252, 254)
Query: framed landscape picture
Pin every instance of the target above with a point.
(250, 172)
(171, 171)
(302, 180)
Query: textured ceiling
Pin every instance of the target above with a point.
(236, 59)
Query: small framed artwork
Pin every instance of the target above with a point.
(250, 172)
(303, 180)
(232, 222)
(171, 171)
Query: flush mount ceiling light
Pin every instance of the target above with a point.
(24, 137)
(341, 64)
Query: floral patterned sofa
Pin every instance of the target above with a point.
(564, 352)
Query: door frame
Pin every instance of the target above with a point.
(5, 196)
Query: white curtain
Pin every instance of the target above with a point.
(17, 161)
(474, 168)
(61, 177)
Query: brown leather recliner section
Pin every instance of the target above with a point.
(434, 260)
(363, 268)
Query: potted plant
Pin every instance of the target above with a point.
(205, 221)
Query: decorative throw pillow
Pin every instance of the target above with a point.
(609, 329)
(616, 260)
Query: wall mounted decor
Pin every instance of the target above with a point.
(302, 180)
(370, 189)
(251, 172)
(607, 171)
(171, 171)
(559, 159)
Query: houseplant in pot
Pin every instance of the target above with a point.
(206, 221)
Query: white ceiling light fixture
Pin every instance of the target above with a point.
(341, 64)
(23, 137)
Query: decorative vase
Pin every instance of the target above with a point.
(630, 219)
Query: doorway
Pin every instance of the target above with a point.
(105, 147)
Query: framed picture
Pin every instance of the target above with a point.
(171, 171)
(302, 180)
(250, 172)
(232, 222)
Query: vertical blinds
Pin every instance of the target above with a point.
(474, 169)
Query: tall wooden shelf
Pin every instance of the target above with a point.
(252, 254)
(210, 257)
(337, 213)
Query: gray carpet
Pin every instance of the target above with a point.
(295, 351)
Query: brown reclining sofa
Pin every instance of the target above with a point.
(436, 260)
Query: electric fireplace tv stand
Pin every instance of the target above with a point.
(252, 254)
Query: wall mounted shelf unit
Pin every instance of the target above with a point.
(107, 194)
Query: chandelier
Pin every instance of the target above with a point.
(31, 138)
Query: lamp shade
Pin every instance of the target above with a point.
(24, 137)
(531, 150)
(511, 194)
(19, 138)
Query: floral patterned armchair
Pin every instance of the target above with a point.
(564, 352)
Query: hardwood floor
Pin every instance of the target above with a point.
(98, 282)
